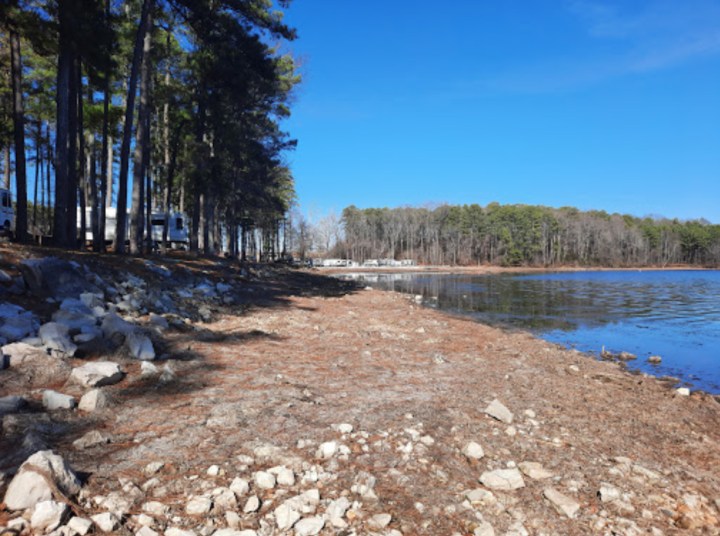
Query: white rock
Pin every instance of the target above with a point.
(174, 531)
(55, 337)
(336, 512)
(80, 525)
(309, 526)
(155, 508)
(562, 503)
(239, 486)
(285, 477)
(535, 470)
(224, 498)
(484, 529)
(48, 515)
(93, 400)
(146, 531)
(473, 450)
(503, 479)
(344, 428)
(327, 450)
(481, 496)
(198, 506)
(252, 505)
(106, 522)
(152, 468)
(683, 391)
(91, 439)
(379, 521)
(29, 488)
(213, 470)
(264, 480)
(148, 369)
(285, 516)
(97, 374)
(140, 346)
(608, 493)
(497, 410)
(53, 400)
(112, 324)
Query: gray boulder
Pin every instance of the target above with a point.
(34, 480)
(113, 325)
(16, 323)
(55, 336)
(55, 277)
(140, 346)
(93, 400)
(11, 404)
(97, 374)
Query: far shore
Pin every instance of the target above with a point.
(488, 269)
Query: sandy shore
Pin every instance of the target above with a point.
(369, 399)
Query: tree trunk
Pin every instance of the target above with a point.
(62, 100)
(82, 178)
(38, 176)
(142, 144)
(106, 152)
(19, 134)
(143, 30)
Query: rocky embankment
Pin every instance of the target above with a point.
(183, 397)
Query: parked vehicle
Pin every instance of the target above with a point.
(7, 212)
(177, 230)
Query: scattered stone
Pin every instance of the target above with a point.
(285, 477)
(473, 450)
(626, 356)
(11, 404)
(198, 506)
(252, 505)
(16, 323)
(535, 470)
(336, 512)
(327, 450)
(484, 529)
(30, 485)
(683, 391)
(159, 321)
(113, 325)
(48, 515)
(174, 531)
(498, 411)
(56, 338)
(343, 428)
(97, 374)
(155, 508)
(239, 486)
(213, 470)
(310, 526)
(146, 531)
(50, 276)
(91, 439)
(502, 479)
(224, 499)
(480, 496)
(379, 521)
(53, 400)
(140, 346)
(285, 516)
(264, 480)
(608, 493)
(148, 369)
(93, 400)
(654, 359)
(562, 503)
(80, 525)
(106, 522)
(152, 468)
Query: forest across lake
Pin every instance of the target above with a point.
(673, 314)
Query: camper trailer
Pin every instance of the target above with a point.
(7, 212)
(177, 230)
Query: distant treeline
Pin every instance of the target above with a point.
(525, 235)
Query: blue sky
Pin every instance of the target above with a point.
(599, 105)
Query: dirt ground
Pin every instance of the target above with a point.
(301, 353)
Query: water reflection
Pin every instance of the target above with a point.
(674, 314)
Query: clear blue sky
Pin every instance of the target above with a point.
(599, 105)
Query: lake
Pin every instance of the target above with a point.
(673, 314)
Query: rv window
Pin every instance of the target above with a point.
(157, 222)
(179, 224)
(5, 199)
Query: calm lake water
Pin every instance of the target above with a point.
(673, 314)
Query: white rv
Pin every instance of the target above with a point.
(7, 212)
(177, 231)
